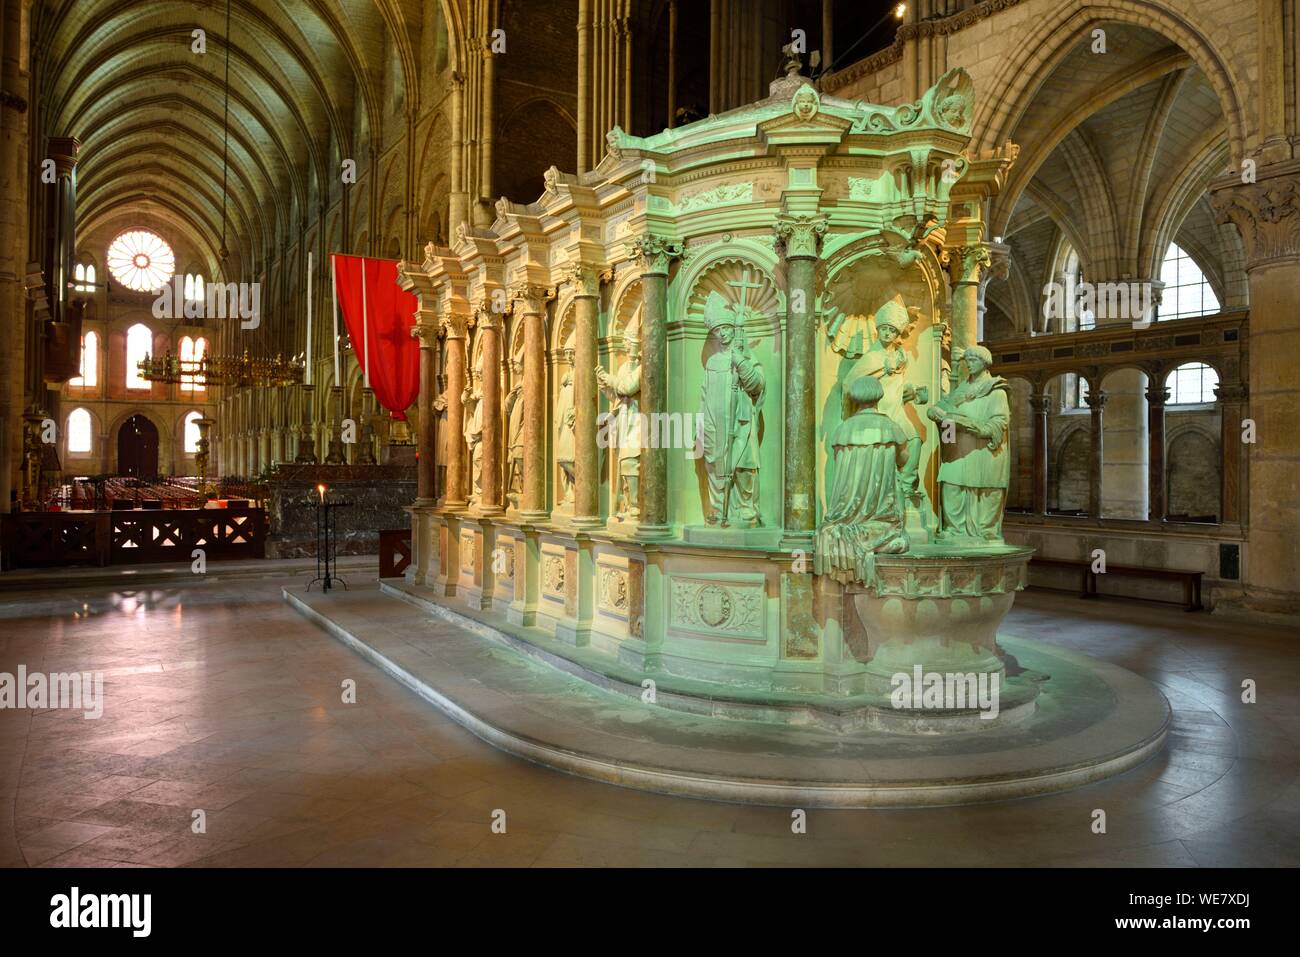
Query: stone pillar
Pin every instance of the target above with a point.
(306, 441)
(1267, 214)
(456, 333)
(654, 254)
(966, 266)
(1157, 504)
(1096, 403)
(426, 445)
(799, 241)
(531, 300)
(1039, 403)
(586, 400)
(1232, 480)
(999, 267)
(489, 325)
(1126, 469)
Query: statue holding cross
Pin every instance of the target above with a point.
(731, 399)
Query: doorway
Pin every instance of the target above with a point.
(137, 448)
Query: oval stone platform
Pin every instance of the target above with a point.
(1091, 720)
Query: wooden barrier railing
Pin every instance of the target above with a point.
(52, 539)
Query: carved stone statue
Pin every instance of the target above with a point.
(730, 398)
(976, 463)
(864, 513)
(624, 391)
(474, 438)
(886, 360)
(565, 442)
(515, 435)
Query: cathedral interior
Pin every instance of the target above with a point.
(421, 414)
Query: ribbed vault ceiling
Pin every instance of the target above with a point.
(305, 91)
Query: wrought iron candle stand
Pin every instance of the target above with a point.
(326, 562)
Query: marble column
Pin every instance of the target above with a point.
(654, 254)
(489, 325)
(426, 446)
(1267, 215)
(966, 266)
(1157, 505)
(531, 301)
(456, 333)
(799, 241)
(1232, 484)
(1039, 404)
(586, 400)
(1096, 405)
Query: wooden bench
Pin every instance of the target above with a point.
(1191, 580)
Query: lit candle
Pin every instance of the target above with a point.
(306, 372)
(338, 378)
(321, 489)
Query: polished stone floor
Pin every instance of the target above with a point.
(221, 699)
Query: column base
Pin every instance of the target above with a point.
(797, 541)
(534, 518)
(654, 532)
(587, 522)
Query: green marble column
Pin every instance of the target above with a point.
(586, 466)
(655, 254)
(799, 239)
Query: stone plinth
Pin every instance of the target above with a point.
(378, 494)
(939, 611)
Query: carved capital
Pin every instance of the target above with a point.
(1157, 397)
(426, 333)
(1266, 214)
(1040, 403)
(967, 263)
(1096, 401)
(531, 298)
(586, 278)
(455, 326)
(488, 313)
(800, 237)
(1231, 391)
(653, 253)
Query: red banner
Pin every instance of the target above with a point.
(379, 317)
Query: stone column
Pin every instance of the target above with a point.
(306, 441)
(531, 300)
(1232, 482)
(654, 254)
(999, 267)
(456, 333)
(425, 439)
(1039, 403)
(1267, 214)
(966, 266)
(1157, 504)
(799, 241)
(489, 325)
(1096, 403)
(1127, 469)
(586, 400)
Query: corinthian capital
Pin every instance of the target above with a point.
(586, 278)
(800, 237)
(967, 263)
(426, 333)
(455, 325)
(653, 253)
(531, 297)
(1266, 214)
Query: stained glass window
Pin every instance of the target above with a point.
(141, 260)
(89, 361)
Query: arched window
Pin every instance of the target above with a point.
(89, 362)
(79, 431)
(189, 288)
(1192, 384)
(192, 351)
(193, 287)
(139, 346)
(90, 278)
(1077, 319)
(192, 432)
(79, 278)
(1187, 292)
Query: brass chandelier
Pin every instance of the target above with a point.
(243, 370)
